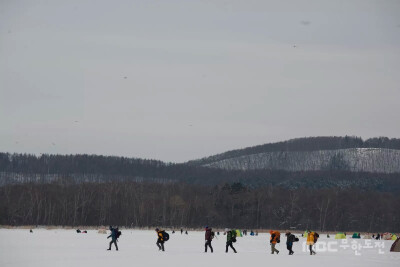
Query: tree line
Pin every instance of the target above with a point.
(112, 165)
(26, 168)
(134, 204)
(380, 160)
(306, 144)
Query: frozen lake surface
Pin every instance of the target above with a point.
(59, 247)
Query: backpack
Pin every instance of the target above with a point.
(165, 236)
(117, 233)
(212, 235)
(316, 235)
(233, 232)
(277, 236)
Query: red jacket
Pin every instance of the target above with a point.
(208, 234)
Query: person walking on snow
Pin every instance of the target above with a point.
(209, 236)
(114, 237)
(311, 239)
(230, 239)
(160, 239)
(275, 238)
(290, 239)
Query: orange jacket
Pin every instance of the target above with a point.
(275, 237)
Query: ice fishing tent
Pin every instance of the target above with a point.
(238, 233)
(340, 236)
(367, 236)
(356, 235)
(387, 236)
(102, 231)
(305, 234)
(396, 246)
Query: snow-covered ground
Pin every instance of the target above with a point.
(137, 248)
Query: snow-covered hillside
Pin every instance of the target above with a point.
(352, 159)
(19, 248)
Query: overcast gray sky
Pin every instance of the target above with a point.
(179, 80)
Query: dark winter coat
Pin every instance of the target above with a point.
(208, 234)
(113, 234)
(230, 236)
(290, 239)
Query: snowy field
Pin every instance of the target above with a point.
(137, 248)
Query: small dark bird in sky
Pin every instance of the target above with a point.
(76, 121)
(125, 77)
(294, 46)
(305, 22)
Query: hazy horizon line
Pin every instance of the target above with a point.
(174, 162)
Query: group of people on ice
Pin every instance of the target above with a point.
(231, 235)
(312, 238)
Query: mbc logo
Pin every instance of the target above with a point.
(356, 246)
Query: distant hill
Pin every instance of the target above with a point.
(326, 183)
(378, 155)
(318, 162)
(378, 160)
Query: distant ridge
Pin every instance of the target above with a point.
(266, 153)
(314, 162)
(375, 160)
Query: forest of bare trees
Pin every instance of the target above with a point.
(25, 168)
(178, 204)
(97, 190)
(306, 144)
(377, 160)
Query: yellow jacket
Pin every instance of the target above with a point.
(310, 238)
(160, 235)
